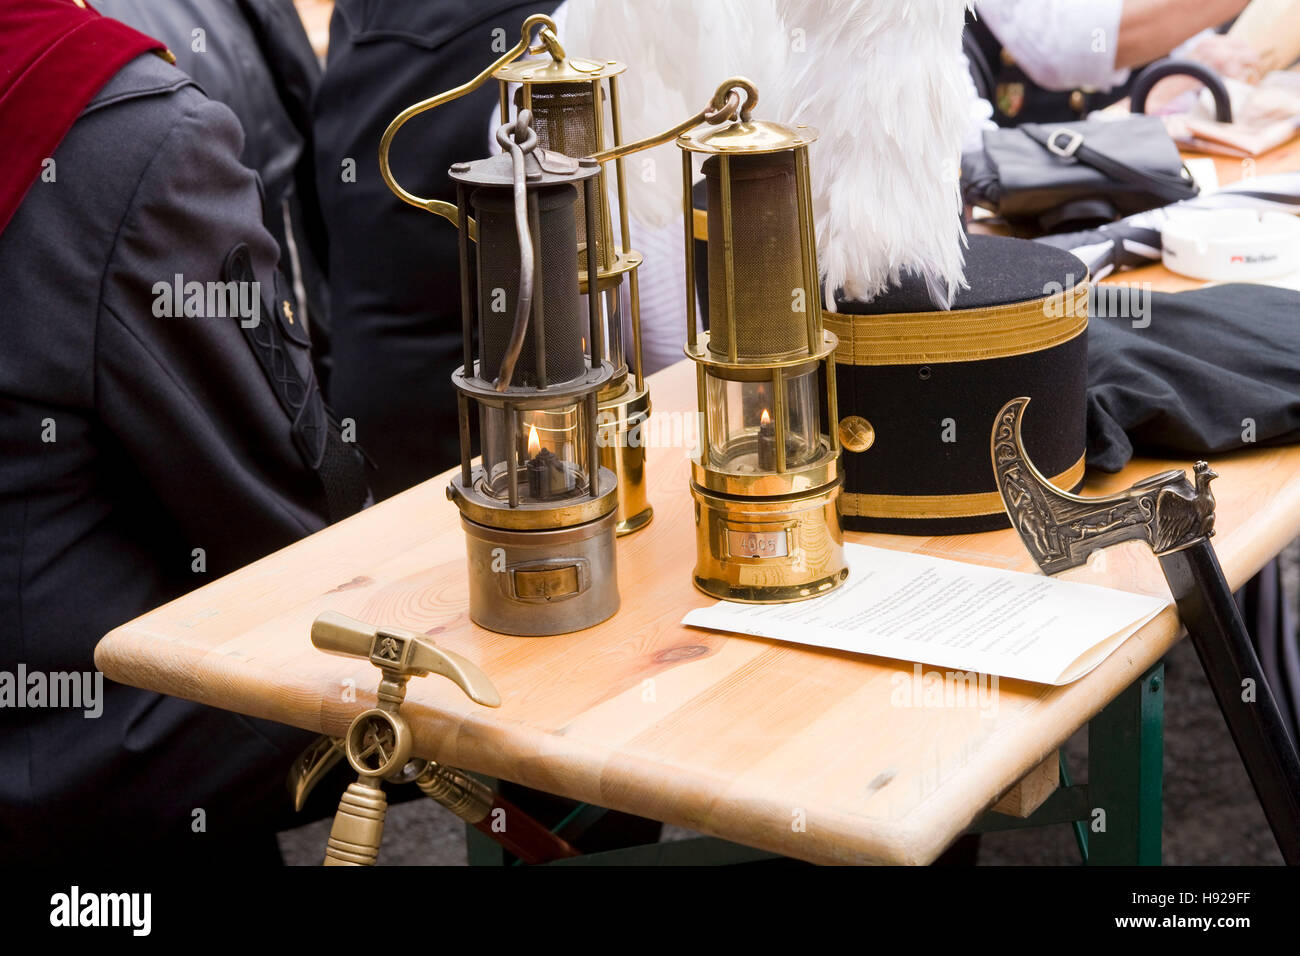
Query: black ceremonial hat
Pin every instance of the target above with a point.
(919, 388)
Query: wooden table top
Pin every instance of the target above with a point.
(733, 736)
(738, 737)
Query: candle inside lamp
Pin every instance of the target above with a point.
(546, 474)
(766, 443)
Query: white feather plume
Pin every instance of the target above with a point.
(677, 52)
(882, 80)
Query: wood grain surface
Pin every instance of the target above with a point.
(800, 751)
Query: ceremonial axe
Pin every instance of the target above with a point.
(1175, 517)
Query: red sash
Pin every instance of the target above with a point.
(54, 57)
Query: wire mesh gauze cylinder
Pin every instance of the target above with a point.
(562, 325)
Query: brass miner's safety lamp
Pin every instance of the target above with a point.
(766, 475)
(567, 96)
(539, 511)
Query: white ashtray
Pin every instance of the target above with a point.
(1224, 245)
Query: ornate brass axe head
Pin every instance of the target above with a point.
(400, 654)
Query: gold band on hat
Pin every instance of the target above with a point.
(961, 335)
(976, 505)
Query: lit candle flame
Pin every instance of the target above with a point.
(534, 443)
(765, 419)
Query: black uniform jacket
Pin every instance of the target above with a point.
(254, 56)
(141, 456)
(395, 291)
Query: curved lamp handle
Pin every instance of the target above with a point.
(437, 206)
(724, 105)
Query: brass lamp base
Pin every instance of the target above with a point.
(622, 450)
(543, 582)
(768, 550)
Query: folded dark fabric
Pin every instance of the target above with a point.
(1191, 373)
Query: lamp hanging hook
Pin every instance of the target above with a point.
(518, 135)
(729, 109)
(519, 138)
(725, 104)
(538, 21)
(726, 101)
(550, 43)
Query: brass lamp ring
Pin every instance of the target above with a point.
(801, 479)
(550, 43)
(378, 743)
(715, 114)
(625, 260)
(548, 26)
(490, 511)
(726, 102)
(703, 354)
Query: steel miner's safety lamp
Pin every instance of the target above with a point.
(539, 510)
(567, 97)
(766, 475)
(575, 107)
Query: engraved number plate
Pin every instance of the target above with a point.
(757, 544)
(542, 584)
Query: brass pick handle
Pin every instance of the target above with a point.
(358, 827)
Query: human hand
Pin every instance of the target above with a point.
(1228, 56)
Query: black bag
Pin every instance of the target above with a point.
(1051, 177)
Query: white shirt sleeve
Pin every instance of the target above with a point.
(1060, 44)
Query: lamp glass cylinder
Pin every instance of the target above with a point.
(743, 425)
(550, 455)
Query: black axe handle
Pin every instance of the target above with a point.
(1246, 701)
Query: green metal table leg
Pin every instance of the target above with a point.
(1079, 825)
(482, 850)
(1125, 775)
